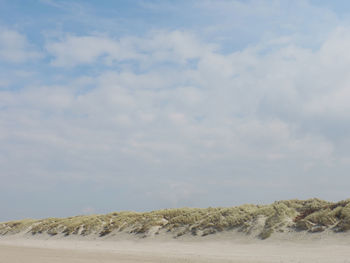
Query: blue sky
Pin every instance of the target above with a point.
(142, 105)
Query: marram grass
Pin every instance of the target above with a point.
(313, 215)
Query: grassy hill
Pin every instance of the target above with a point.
(313, 215)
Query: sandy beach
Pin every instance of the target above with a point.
(43, 251)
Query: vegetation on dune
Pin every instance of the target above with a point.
(311, 215)
(15, 227)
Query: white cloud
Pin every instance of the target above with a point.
(15, 48)
(81, 50)
(248, 116)
(173, 46)
(223, 91)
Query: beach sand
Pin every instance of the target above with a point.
(19, 250)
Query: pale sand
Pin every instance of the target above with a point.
(19, 250)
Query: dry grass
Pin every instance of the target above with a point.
(311, 215)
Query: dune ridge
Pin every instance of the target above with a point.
(258, 221)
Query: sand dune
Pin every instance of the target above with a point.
(259, 221)
(285, 231)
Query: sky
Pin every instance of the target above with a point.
(150, 104)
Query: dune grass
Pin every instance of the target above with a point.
(313, 215)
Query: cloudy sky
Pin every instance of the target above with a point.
(149, 104)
